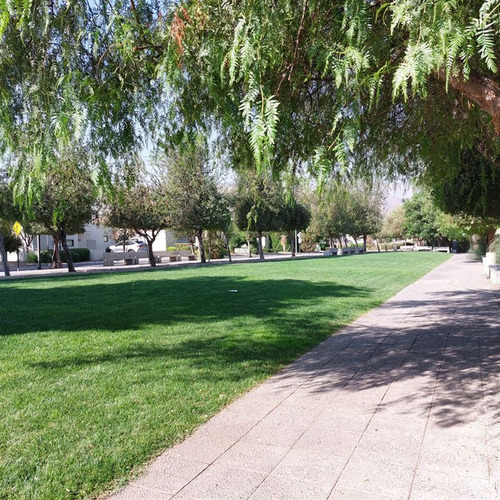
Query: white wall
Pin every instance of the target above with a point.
(96, 239)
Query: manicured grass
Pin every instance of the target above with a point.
(101, 372)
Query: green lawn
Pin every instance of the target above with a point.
(99, 373)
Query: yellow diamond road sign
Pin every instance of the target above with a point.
(17, 228)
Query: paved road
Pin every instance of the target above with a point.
(401, 404)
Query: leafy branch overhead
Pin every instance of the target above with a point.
(347, 86)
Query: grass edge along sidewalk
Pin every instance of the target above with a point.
(103, 372)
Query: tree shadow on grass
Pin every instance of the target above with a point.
(196, 301)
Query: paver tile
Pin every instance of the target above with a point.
(377, 477)
(276, 433)
(336, 420)
(256, 407)
(222, 482)
(307, 465)
(339, 443)
(210, 441)
(169, 474)
(389, 447)
(463, 458)
(284, 488)
(434, 485)
(253, 456)
(352, 494)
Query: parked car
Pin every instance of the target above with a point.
(130, 246)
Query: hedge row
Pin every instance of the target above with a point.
(78, 254)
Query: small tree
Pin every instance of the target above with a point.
(194, 199)
(471, 192)
(9, 214)
(66, 201)
(293, 217)
(5, 223)
(365, 212)
(257, 217)
(420, 220)
(141, 208)
(392, 226)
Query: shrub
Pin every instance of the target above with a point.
(78, 254)
(215, 245)
(83, 254)
(32, 258)
(237, 240)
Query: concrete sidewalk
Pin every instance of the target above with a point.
(401, 404)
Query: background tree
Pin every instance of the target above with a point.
(257, 217)
(293, 217)
(142, 209)
(258, 206)
(8, 216)
(420, 220)
(392, 226)
(328, 215)
(365, 211)
(67, 201)
(471, 191)
(195, 202)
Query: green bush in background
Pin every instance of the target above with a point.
(78, 254)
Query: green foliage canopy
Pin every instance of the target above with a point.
(333, 82)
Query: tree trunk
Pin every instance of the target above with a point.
(199, 234)
(292, 240)
(259, 245)
(39, 251)
(226, 239)
(152, 260)
(490, 235)
(69, 257)
(3, 254)
(484, 91)
(56, 256)
(364, 242)
(208, 253)
(191, 240)
(331, 240)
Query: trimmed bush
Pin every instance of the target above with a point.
(78, 254)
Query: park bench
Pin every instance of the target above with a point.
(489, 260)
(495, 276)
(422, 248)
(173, 255)
(129, 258)
(441, 249)
(407, 248)
(350, 250)
(329, 252)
